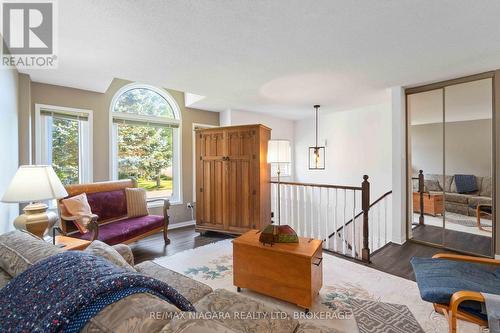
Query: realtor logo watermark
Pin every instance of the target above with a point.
(29, 33)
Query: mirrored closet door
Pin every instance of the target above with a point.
(450, 165)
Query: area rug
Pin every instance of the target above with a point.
(380, 302)
(467, 221)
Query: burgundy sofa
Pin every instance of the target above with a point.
(109, 222)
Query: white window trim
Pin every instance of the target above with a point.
(85, 163)
(194, 155)
(177, 197)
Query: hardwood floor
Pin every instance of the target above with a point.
(393, 259)
(180, 240)
(461, 241)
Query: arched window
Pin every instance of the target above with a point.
(145, 139)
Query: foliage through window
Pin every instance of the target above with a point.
(63, 141)
(142, 101)
(65, 150)
(144, 137)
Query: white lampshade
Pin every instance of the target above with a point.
(34, 183)
(278, 151)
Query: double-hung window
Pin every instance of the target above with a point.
(145, 140)
(64, 140)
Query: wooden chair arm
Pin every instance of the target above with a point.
(166, 202)
(459, 257)
(91, 225)
(455, 301)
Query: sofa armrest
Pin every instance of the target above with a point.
(126, 252)
(166, 218)
(459, 257)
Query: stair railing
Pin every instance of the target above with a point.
(318, 210)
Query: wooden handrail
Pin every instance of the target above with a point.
(341, 187)
(361, 212)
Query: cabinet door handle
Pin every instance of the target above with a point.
(319, 261)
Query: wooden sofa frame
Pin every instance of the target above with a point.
(451, 311)
(67, 224)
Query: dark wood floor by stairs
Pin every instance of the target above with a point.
(393, 259)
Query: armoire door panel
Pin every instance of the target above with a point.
(239, 194)
(212, 144)
(211, 193)
(240, 143)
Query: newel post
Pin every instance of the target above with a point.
(365, 205)
(421, 190)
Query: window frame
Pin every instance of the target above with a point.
(86, 153)
(176, 197)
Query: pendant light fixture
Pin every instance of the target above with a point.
(316, 153)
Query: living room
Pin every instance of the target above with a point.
(262, 167)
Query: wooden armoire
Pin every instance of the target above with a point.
(233, 193)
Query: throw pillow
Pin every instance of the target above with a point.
(136, 202)
(78, 206)
(432, 185)
(102, 249)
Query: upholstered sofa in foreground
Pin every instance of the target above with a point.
(145, 312)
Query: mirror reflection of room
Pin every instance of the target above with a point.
(450, 140)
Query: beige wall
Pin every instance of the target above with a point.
(99, 103)
(468, 148)
(8, 142)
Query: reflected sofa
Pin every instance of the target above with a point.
(459, 203)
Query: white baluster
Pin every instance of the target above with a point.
(327, 220)
(353, 224)
(343, 225)
(335, 219)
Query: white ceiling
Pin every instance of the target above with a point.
(277, 57)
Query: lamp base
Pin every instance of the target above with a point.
(36, 219)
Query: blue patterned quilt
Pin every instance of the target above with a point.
(465, 183)
(64, 291)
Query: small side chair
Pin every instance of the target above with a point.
(453, 283)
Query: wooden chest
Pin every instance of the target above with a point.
(291, 272)
(433, 203)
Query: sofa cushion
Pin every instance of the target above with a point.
(123, 230)
(444, 183)
(439, 279)
(224, 301)
(475, 200)
(486, 187)
(457, 198)
(194, 325)
(135, 313)
(189, 288)
(136, 202)
(108, 205)
(4, 278)
(101, 249)
(19, 250)
(432, 185)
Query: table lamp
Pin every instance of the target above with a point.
(278, 152)
(34, 184)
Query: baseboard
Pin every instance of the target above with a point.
(181, 224)
(497, 256)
